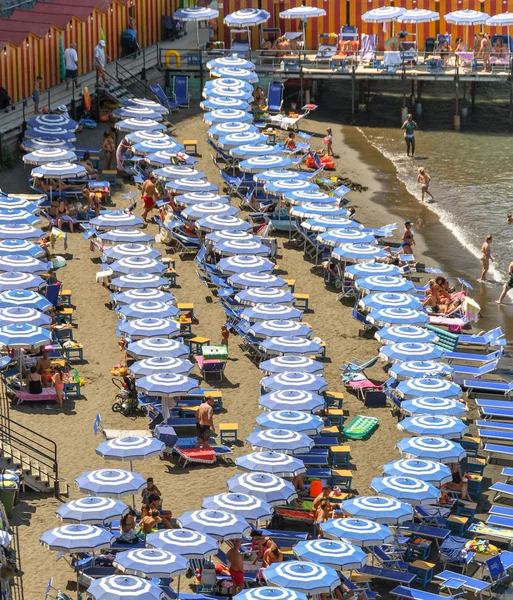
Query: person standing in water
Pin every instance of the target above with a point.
(508, 285)
(424, 179)
(409, 127)
(486, 256)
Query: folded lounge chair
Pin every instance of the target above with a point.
(181, 90)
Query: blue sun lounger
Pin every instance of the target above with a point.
(497, 413)
(388, 574)
(499, 521)
(501, 489)
(472, 357)
(412, 594)
(501, 511)
(492, 387)
(494, 337)
(493, 403)
(503, 426)
(427, 531)
(501, 435)
(469, 584)
(475, 371)
(498, 451)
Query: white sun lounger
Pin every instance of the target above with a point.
(494, 337)
(469, 584)
(501, 490)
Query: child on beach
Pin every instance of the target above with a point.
(36, 93)
(328, 141)
(225, 335)
(424, 179)
(486, 256)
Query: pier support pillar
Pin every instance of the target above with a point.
(473, 87)
(510, 102)
(353, 85)
(404, 113)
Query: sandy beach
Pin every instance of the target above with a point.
(183, 489)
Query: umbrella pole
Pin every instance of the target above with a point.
(197, 33)
(178, 588)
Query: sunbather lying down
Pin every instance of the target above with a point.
(53, 185)
(343, 593)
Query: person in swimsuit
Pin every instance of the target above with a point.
(458, 483)
(44, 368)
(424, 179)
(93, 201)
(431, 300)
(328, 141)
(63, 215)
(445, 50)
(149, 522)
(460, 47)
(58, 383)
(290, 143)
(34, 381)
(508, 285)
(409, 127)
(205, 422)
(407, 240)
(127, 526)
(236, 567)
(486, 256)
(272, 555)
(149, 196)
(485, 51)
(109, 148)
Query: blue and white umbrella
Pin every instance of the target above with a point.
(405, 333)
(137, 112)
(279, 328)
(416, 369)
(219, 524)
(223, 129)
(231, 61)
(242, 247)
(390, 300)
(173, 172)
(141, 136)
(292, 400)
(337, 237)
(269, 593)
(254, 296)
(150, 347)
(185, 542)
(143, 295)
(264, 163)
(372, 268)
(378, 508)
(253, 150)
(248, 507)
(434, 406)
(77, 538)
(167, 384)
(384, 283)
(466, 17)
(336, 554)
(302, 12)
(17, 215)
(27, 298)
(275, 463)
(283, 175)
(307, 577)
(111, 482)
(46, 155)
(130, 448)
(264, 312)
(149, 308)
(205, 209)
(134, 124)
(151, 562)
(383, 14)
(504, 19)
(164, 158)
(200, 197)
(137, 264)
(292, 420)
(46, 141)
(245, 264)
(53, 120)
(309, 197)
(125, 587)
(217, 103)
(161, 364)
(23, 264)
(126, 235)
(294, 380)
(255, 280)
(306, 211)
(58, 170)
(239, 236)
(280, 440)
(361, 532)
(356, 252)
(19, 281)
(235, 73)
(432, 448)
(135, 281)
(15, 315)
(425, 470)
(113, 219)
(287, 186)
(23, 335)
(270, 488)
(153, 146)
(403, 351)
(223, 223)
(130, 250)
(196, 14)
(290, 345)
(287, 364)
(425, 387)
(149, 327)
(227, 92)
(12, 202)
(45, 131)
(326, 223)
(192, 184)
(145, 103)
(407, 489)
(234, 140)
(227, 115)
(92, 509)
(247, 17)
(451, 428)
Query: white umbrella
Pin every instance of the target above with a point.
(416, 16)
(466, 17)
(196, 14)
(304, 13)
(383, 14)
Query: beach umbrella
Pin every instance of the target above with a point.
(17, 215)
(223, 129)
(149, 327)
(15, 315)
(137, 112)
(219, 524)
(269, 593)
(21, 263)
(280, 440)
(255, 280)
(253, 150)
(196, 14)
(223, 223)
(310, 197)
(302, 12)
(149, 308)
(46, 142)
(264, 163)
(222, 236)
(356, 252)
(439, 425)
(383, 14)
(173, 172)
(161, 364)
(337, 237)
(307, 577)
(167, 384)
(185, 542)
(234, 140)
(247, 17)
(92, 509)
(200, 197)
(404, 351)
(144, 102)
(165, 158)
(126, 235)
(151, 562)
(157, 347)
(292, 420)
(271, 489)
(27, 298)
(137, 264)
(360, 532)
(143, 295)
(53, 120)
(416, 16)
(407, 489)
(279, 328)
(142, 136)
(287, 364)
(298, 400)
(466, 17)
(305, 211)
(205, 209)
(384, 283)
(284, 174)
(139, 280)
(415, 369)
(193, 184)
(13, 203)
(432, 448)
(227, 92)
(130, 448)
(425, 470)
(227, 115)
(336, 554)
(405, 333)
(326, 223)
(139, 124)
(434, 406)
(125, 587)
(398, 316)
(130, 250)
(504, 19)
(242, 247)
(387, 511)
(19, 281)
(48, 131)
(245, 264)
(248, 507)
(294, 381)
(113, 219)
(77, 538)
(425, 387)
(275, 463)
(111, 482)
(217, 103)
(264, 312)
(24, 335)
(383, 300)
(287, 186)
(366, 269)
(58, 170)
(290, 345)
(49, 155)
(266, 295)
(148, 147)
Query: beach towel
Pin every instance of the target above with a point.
(368, 49)
(471, 309)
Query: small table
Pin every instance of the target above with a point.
(423, 571)
(419, 550)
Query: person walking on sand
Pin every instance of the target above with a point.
(486, 256)
(149, 196)
(236, 567)
(205, 422)
(109, 148)
(409, 127)
(99, 60)
(424, 179)
(36, 93)
(58, 384)
(328, 141)
(71, 64)
(408, 240)
(508, 285)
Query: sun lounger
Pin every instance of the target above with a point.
(496, 452)
(205, 456)
(473, 357)
(494, 337)
(358, 587)
(485, 531)
(501, 511)
(315, 458)
(501, 490)
(181, 94)
(427, 518)
(388, 574)
(493, 403)
(412, 594)
(492, 387)
(278, 534)
(438, 534)
(495, 434)
(500, 521)
(503, 426)
(460, 370)
(275, 97)
(47, 395)
(497, 413)
(112, 434)
(387, 561)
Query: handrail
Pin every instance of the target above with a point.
(134, 79)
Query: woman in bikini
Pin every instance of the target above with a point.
(424, 179)
(486, 256)
(409, 127)
(407, 240)
(109, 148)
(58, 383)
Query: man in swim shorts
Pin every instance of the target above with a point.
(508, 285)
(149, 196)
(205, 422)
(236, 567)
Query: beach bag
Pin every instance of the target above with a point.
(315, 488)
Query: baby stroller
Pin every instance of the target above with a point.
(172, 29)
(126, 399)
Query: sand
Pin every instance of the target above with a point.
(183, 489)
